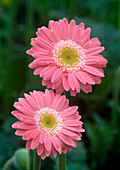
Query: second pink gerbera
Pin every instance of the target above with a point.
(47, 123)
(66, 57)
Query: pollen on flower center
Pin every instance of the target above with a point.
(68, 55)
(48, 121)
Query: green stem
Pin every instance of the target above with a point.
(62, 156)
(8, 163)
(62, 161)
(37, 161)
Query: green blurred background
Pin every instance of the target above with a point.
(100, 110)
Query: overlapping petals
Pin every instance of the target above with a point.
(47, 123)
(61, 36)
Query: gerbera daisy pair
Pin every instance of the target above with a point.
(67, 59)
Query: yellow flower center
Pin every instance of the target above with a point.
(48, 121)
(69, 56)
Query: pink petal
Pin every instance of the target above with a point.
(88, 78)
(54, 30)
(57, 75)
(28, 144)
(25, 111)
(41, 138)
(48, 74)
(76, 137)
(73, 92)
(47, 142)
(60, 89)
(86, 35)
(62, 30)
(44, 70)
(57, 84)
(93, 70)
(65, 83)
(55, 100)
(66, 26)
(67, 140)
(71, 81)
(80, 77)
(23, 125)
(31, 101)
(44, 59)
(86, 88)
(95, 42)
(48, 33)
(35, 143)
(15, 125)
(40, 149)
(20, 132)
(65, 149)
(42, 36)
(47, 152)
(56, 143)
(49, 85)
(72, 122)
(22, 109)
(69, 111)
(77, 83)
(29, 134)
(43, 155)
(26, 104)
(54, 152)
(60, 103)
(73, 116)
(48, 100)
(26, 119)
(76, 35)
(44, 44)
(65, 105)
(38, 63)
(75, 144)
(37, 98)
(96, 79)
(38, 70)
(71, 27)
(95, 50)
(74, 128)
(30, 52)
(68, 132)
(81, 26)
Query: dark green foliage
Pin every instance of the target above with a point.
(100, 110)
(77, 158)
(101, 135)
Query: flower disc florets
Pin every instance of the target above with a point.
(48, 121)
(69, 55)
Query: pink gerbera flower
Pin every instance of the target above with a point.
(47, 123)
(66, 57)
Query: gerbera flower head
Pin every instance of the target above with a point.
(66, 57)
(47, 123)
